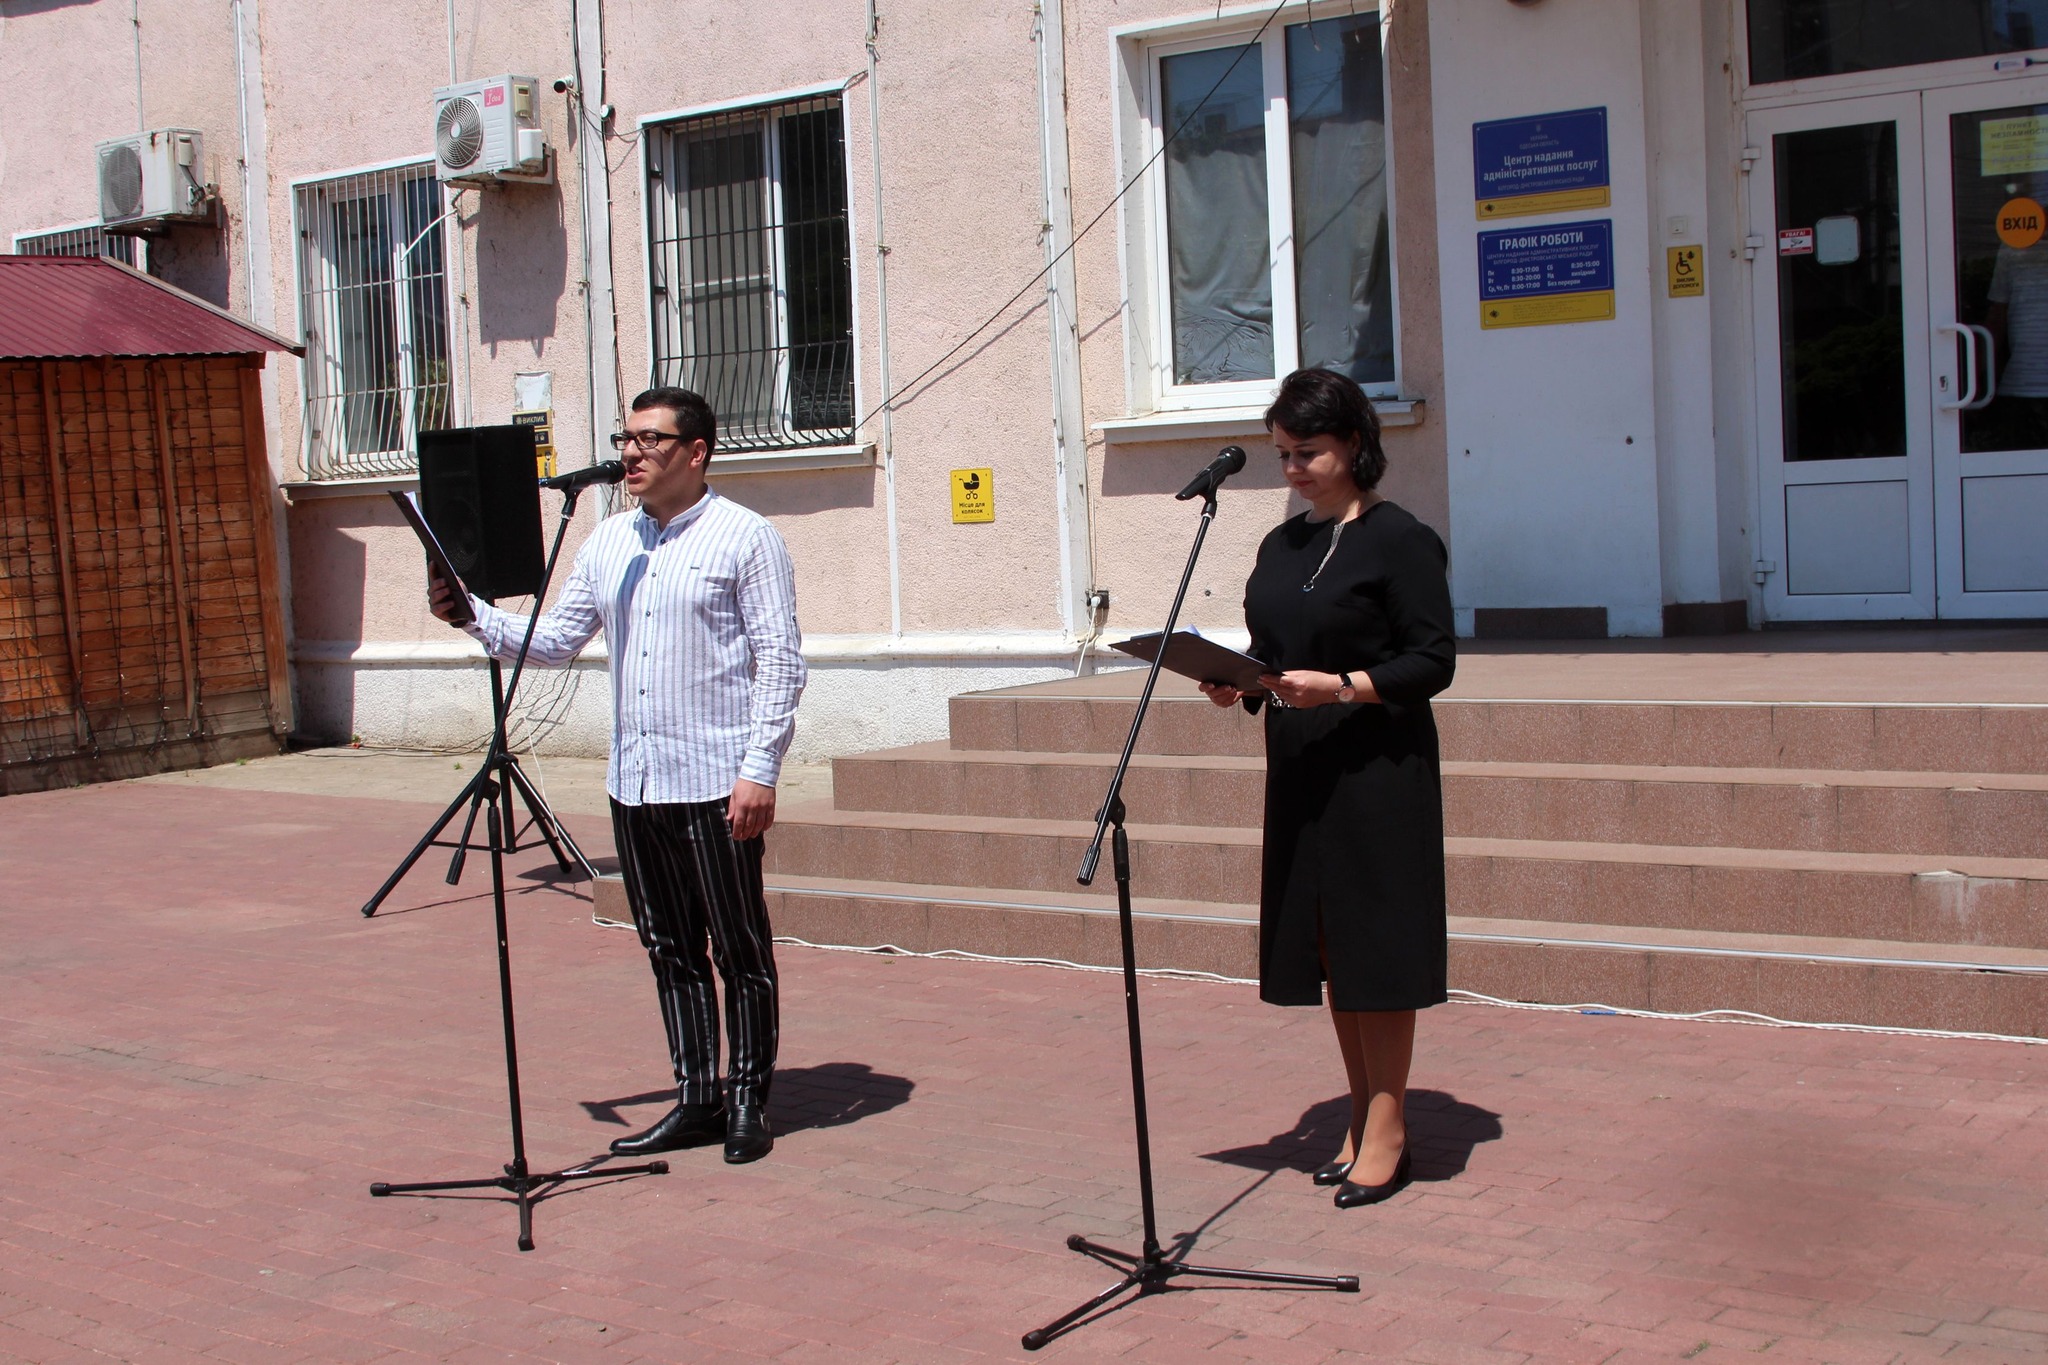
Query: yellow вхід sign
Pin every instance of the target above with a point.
(974, 495)
(2020, 222)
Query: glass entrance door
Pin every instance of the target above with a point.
(1986, 150)
(1844, 414)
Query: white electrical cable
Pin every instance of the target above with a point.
(1458, 996)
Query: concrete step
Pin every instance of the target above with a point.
(936, 779)
(1808, 978)
(1901, 897)
(1994, 815)
(1874, 736)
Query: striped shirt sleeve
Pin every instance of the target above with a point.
(767, 604)
(563, 629)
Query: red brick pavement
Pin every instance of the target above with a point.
(206, 1055)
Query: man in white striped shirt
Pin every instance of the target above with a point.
(697, 600)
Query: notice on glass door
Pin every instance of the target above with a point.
(1532, 277)
(2013, 146)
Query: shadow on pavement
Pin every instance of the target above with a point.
(828, 1096)
(1442, 1129)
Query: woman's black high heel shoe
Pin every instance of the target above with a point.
(1350, 1196)
(1333, 1173)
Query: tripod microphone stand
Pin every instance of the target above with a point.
(509, 778)
(489, 792)
(1150, 1271)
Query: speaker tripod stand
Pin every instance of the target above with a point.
(490, 793)
(503, 777)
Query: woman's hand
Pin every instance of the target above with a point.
(1300, 688)
(1223, 694)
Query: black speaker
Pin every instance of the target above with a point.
(480, 491)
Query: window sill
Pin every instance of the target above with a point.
(778, 461)
(310, 490)
(1200, 424)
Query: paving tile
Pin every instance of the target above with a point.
(206, 1054)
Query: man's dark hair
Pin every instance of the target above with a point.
(694, 418)
(1320, 402)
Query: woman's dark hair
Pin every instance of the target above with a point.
(694, 418)
(1320, 402)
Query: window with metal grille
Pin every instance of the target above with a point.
(85, 240)
(373, 303)
(751, 273)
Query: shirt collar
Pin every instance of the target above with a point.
(654, 530)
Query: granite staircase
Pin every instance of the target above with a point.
(1879, 864)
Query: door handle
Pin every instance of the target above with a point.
(1990, 366)
(1964, 400)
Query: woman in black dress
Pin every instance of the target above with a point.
(1349, 605)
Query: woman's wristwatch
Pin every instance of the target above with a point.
(1346, 689)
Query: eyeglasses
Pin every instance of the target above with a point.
(646, 440)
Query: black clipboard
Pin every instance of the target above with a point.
(1198, 657)
(437, 558)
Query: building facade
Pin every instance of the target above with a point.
(1681, 315)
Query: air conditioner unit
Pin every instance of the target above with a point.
(152, 177)
(490, 130)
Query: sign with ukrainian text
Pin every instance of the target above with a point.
(1551, 163)
(1562, 272)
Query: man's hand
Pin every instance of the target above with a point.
(751, 810)
(442, 599)
(1223, 694)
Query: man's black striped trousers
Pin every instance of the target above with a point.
(689, 881)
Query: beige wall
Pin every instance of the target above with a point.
(963, 198)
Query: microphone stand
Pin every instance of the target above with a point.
(487, 792)
(1149, 1271)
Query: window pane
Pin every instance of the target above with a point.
(1998, 156)
(364, 325)
(1219, 280)
(1841, 342)
(427, 304)
(1791, 39)
(818, 270)
(729, 297)
(1336, 117)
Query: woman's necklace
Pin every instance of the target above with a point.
(1336, 534)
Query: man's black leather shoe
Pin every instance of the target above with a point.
(686, 1125)
(747, 1137)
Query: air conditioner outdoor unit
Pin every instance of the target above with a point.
(152, 177)
(490, 130)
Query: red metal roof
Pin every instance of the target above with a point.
(70, 306)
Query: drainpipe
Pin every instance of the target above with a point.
(587, 107)
(258, 286)
(467, 404)
(1069, 433)
(882, 332)
(135, 22)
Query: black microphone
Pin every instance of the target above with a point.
(611, 471)
(1228, 461)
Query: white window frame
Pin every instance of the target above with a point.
(1136, 51)
(322, 465)
(760, 459)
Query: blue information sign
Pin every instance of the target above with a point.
(1551, 163)
(1559, 272)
